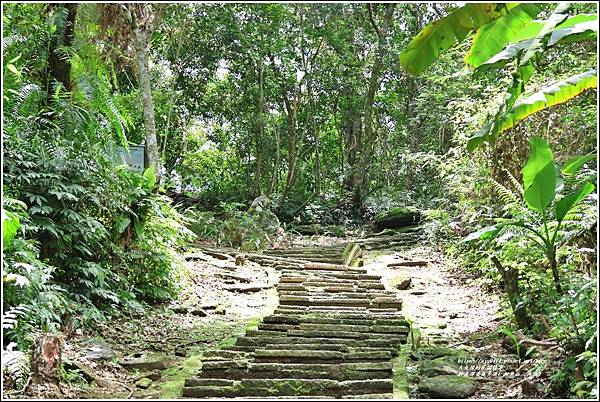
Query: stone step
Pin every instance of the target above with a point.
(340, 372)
(201, 382)
(355, 320)
(292, 387)
(369, 396)
(310, 301)
(318, 356)
(210, 391)
(262, 341)
(343, 334)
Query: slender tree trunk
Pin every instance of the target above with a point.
(141, 38)
(510, 278)
(261, 128)
(292, 110)
(554, 268)
(370, 134)
(275, 176)
(141, 43)
(315, 134)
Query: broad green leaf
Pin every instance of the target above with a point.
(483, 234)
(534, 27)
(558, 16)
(478, 138)
(122, 223)
(576, 28)
(574, 164)
(567, 203)
(582, 31)
(150, 177)
(539, 176)
(505, 56)
(441, 34)
(494, 36)
(13, 69)
(555, 94)
(10, 226)
(517, 87)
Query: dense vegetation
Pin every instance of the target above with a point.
(334, 112)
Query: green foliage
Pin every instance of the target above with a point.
(82, 236)
(497, 31)
(540, 184)
(438, 36)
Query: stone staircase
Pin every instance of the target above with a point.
(333, 335)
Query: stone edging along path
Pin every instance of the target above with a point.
(333, 335)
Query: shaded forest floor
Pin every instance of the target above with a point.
(220, 300)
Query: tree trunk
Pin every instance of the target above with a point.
(370, 135)
(261, 128)
(315, 134)
(46, 360)
(292, 110)
(554, 268)
(275, 177)
(510, 278)
(141, 38)
(59, 67)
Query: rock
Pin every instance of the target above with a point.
(153, 361)
(453, 316)
(404, 284)
(445, 365)
(442, 325)
(153, 375)
(180, 310)
(418, 292)
(98, 350)
(85, 371)
(220, 310)
(448, 387)
(143, 383)
(397, 218)
(441, 351)
(240, 259)
(259, 204)
(198, 313)
(248, 288)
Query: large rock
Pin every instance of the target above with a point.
(446, 365)
(98, 350)
(448, 387)
(398, 217)
(152, 361)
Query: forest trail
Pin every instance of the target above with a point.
(293, 325)
(334, 334)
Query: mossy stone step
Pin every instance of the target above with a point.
(210, 391)
(358, 320)
(288, 387)
(341, 372)
(201, 382)
(295, 340)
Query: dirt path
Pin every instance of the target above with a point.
(451, 312)
(442, 305)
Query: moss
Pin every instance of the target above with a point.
(400, 377)
(174, 378)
